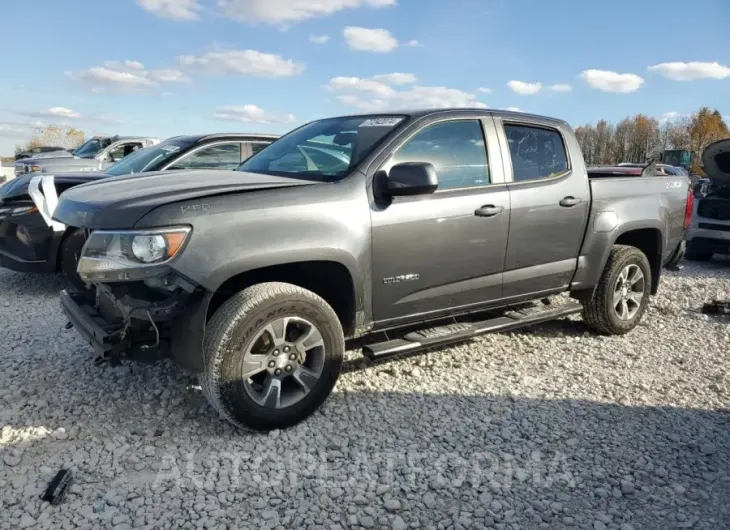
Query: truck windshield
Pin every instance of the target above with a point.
(147, 159)
(92, 147)
(324, 150)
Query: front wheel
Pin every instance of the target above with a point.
(273, 353)
(622, 294)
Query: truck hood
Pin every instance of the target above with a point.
(119, 202)
(60, 164)
(51, 154)
(716, 161)
(17, 188)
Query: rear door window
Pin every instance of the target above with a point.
(536, 152)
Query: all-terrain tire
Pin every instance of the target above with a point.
(694, 254)
(599, 313)
(68, 259)
(238, 322)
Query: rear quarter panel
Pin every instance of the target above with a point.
(621, 205)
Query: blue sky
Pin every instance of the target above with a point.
(167, 67)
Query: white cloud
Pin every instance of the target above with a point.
(243, 62)
(526, 89)
(413, 43)
(396, 78)
(371, 40)
(679, 71)
(357, 84)
(484, 90)
(514, 109)
(61, 112)
(612, 81)
(671, 116)
(65, 115)
(373, 95)
(129, 75)
(167, 75)
(290, 11)
(251, 114)
(182, 10)
(319, 39)
(560, 87)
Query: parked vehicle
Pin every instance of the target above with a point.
(660, 169)
(43, 150)
(30, 241)
(709, 232)
(353, 225)
(95, 155)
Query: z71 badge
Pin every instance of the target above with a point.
(401, 278)
(675, 184)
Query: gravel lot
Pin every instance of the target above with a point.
(551, 427)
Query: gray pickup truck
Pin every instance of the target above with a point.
(433, 226)
(96, 154)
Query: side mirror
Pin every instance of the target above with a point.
(412, 178)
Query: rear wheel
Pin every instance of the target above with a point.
(273, 353)
(622, 294)
(68, 256)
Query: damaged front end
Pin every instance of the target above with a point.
(141, 321)
(142, 309)
(709, 231)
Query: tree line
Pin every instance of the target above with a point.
(53, 136)
(642, 139)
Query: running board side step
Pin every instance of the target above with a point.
(451, 333)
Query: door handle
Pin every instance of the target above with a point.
(488, 210)
(568, 202)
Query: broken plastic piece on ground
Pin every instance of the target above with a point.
(717, 307)
(57, 488)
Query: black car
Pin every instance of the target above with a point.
(30, 241)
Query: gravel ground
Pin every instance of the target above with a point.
(551, 427)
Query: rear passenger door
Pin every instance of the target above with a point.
(222, 155)
(550, 200)
(441, 251)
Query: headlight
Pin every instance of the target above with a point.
(130, 254)
(17, 210)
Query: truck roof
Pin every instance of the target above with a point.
(242, 136)
(418, 113)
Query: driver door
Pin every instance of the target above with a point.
(444, 251)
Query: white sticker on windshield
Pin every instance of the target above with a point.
(381, 122)
(170, 148)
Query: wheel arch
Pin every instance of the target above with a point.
(331, 280)
(650, 242)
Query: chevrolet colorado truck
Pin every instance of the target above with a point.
(709, 230)
(96, 154)
(30, 241)
(424, 228)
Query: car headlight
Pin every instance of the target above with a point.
(17, 210)
(128, 255)
(33, 169)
